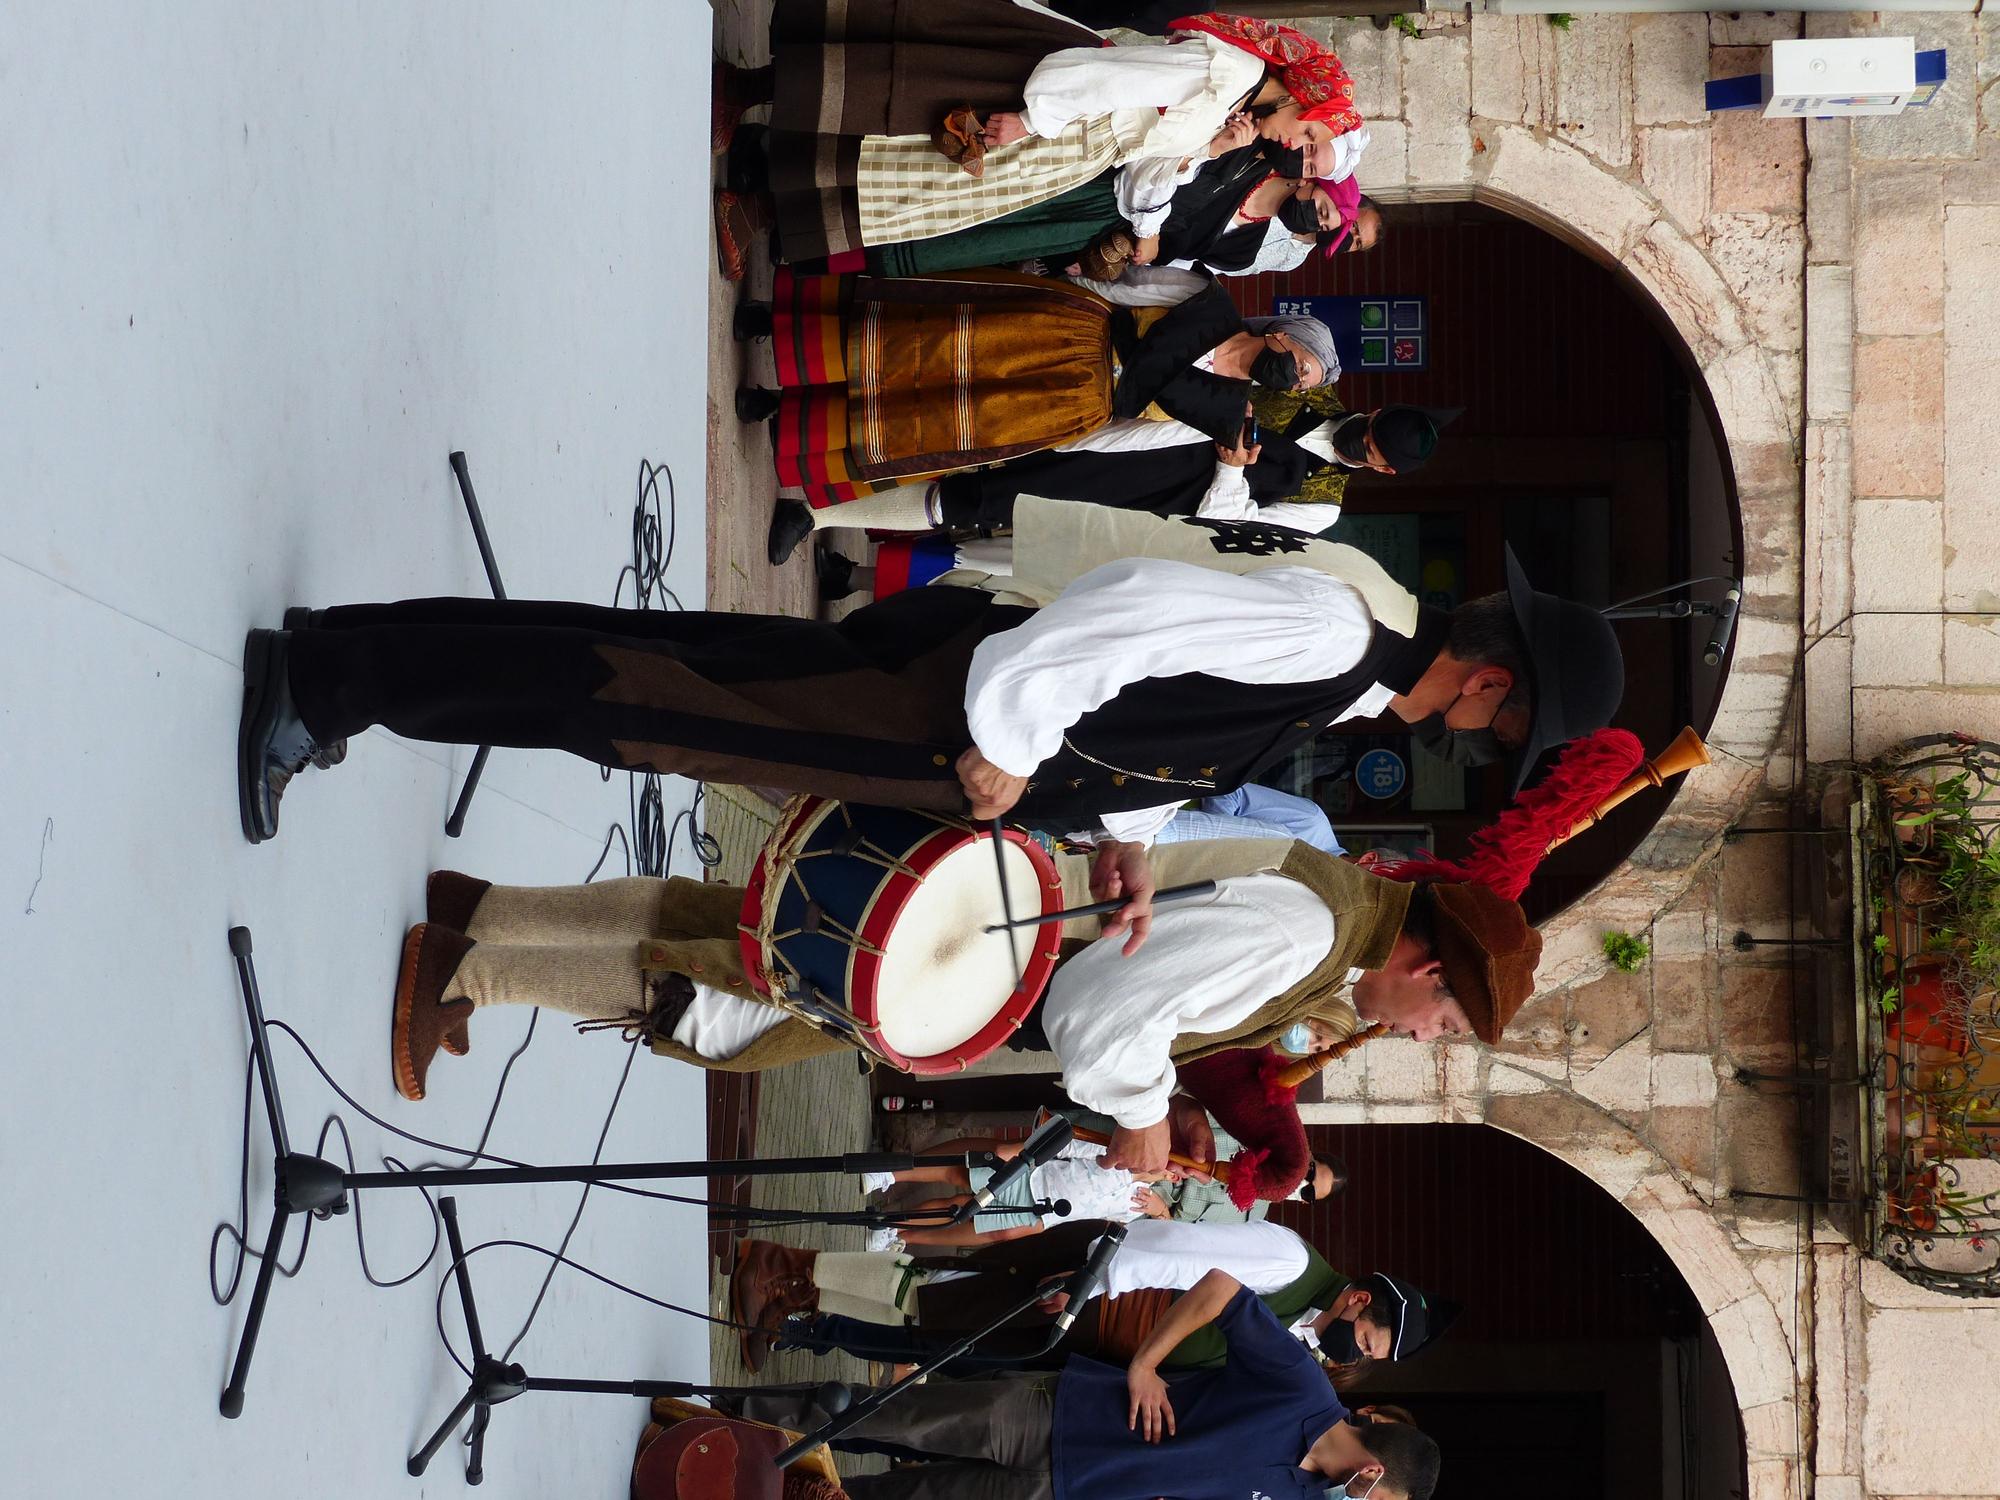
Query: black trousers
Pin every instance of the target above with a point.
(867, 710)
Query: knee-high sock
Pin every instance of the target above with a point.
(600, 983)
(872, 1285)
(606, 911)
(907, 507)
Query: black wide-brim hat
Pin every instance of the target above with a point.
(1576, 671)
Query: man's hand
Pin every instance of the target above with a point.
(1239, 456)
(1150, 1405)
(1239, 132)
(1146, 250)
(990, 790)
(1138, 1151)
(1121, 871)
(1192, 1135)
(1003, 129)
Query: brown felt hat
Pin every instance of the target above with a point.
(1489, 953)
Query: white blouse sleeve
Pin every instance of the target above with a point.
(1208, 964)
(1145, 189)
(1148, 286)
(1281, 251)
(1150, 617)
(1133, 435)
(1079, 82)
(1160, 1253)
(1228, 497)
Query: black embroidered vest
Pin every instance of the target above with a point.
(1168, 739)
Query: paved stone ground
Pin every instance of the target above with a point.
(820, 1106)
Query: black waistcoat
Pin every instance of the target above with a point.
(1158, 365)
(1167, 739)
(1197, 225)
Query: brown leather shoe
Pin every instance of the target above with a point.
(770, 1280)
(450, 899)
(431, 955)
(739, 219)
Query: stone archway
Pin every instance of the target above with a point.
(1462, 130)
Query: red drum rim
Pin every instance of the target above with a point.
(878, 924)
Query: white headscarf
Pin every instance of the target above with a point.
(1310, 334)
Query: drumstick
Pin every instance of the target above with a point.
(1006, 900)
(1103, 908)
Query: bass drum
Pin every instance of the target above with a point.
(871, 921)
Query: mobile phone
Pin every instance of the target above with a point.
(1249, 433)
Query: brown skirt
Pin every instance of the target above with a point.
(845, 69)
(888, 379)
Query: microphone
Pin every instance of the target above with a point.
(1725, 625)
(1090, 1280)
(1044, 1146)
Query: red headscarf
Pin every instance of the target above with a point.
(1311, 74)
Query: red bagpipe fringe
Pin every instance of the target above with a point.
(1505, 853)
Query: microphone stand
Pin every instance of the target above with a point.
(493, 1382)
(312, 1185)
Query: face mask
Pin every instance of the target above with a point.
(1350, 441)
(1347, 1491)
(1297, 1040)
(1300, 215)
(1275, 369)
(1336, 1342)
(1460, 747)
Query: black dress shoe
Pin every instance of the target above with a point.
(791, 523)
(747, 167)
(326, 757)
(272, 743)
(755, 404)
(751, 320)
(833, 572)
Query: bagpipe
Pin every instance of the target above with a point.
(1253, 1093)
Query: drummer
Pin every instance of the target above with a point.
(1295, 947)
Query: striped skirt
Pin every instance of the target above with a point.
(885, 380)
(861, 85)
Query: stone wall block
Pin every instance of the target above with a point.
(1623, 1081)
(1760, 164)
(1684, 1139)
(1829, 189)
(1931, 1373)
(1750, 396)
(1690, 290)
(1829, 521)
(1604, 1015)
(1898, 250)
(1513, 70)
(1683, 1080)
(1754, 707)
(1689, 931)
(1898, 650)
(1436, 91)
(1829, 709)
(1899, 416)
(1947, 128)
(1669, 66)
(1563, 187)
(1763, 257)
(1400, 1070)
(1704, 1255)
(1839, 1364)
(1384, 168)
(1829, 341)
(1760, 1363)
(1972, 409)
(1972, 652)
(1751, 28)
(1374, 60)
(1887, 716)
(1771, 1431)
(1673, 163)
(1897, 546)
(1594, 88)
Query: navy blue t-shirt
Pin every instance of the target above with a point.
(1239, 1432)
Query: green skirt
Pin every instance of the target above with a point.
(1053, 230)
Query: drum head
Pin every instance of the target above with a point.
(943, 978)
